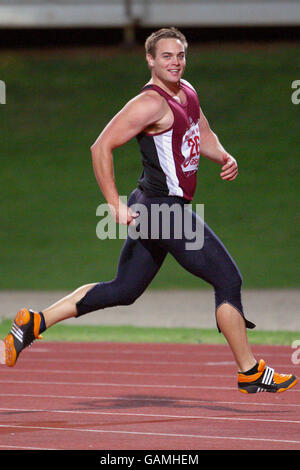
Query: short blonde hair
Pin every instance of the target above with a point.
(163, 33)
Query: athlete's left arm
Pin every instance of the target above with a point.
(211, 148)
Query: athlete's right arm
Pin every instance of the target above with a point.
(137, 114)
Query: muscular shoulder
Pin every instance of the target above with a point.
(146, 108)
(151, 102)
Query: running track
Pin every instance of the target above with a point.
(93, 396)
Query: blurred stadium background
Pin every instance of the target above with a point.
(68, 67)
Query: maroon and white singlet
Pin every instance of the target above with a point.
(171, 158)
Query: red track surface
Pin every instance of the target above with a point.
(142, 396)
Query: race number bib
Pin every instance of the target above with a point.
(190, 149)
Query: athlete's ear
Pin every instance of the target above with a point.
(150, 60)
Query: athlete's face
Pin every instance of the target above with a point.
(169, 62)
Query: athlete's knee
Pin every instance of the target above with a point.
(238, 279)
(127, 300)
(231, 294)
(231, 280)
(107, 294)
(230, 290)
(235, 278)
(127, 295)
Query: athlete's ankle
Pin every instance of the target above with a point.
(251, 371)
(43, 323)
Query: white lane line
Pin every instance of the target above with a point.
(105, 384)
(115, 361)
(150, 415)
(219, 363)
(119, 373)
(2, 446)
(129, 361)
(114, 372)
(67, 349)
(102, 384)
(136, 433)
(150, 400)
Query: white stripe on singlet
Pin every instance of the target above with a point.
(163, 144)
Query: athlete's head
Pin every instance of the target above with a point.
(164, 33)
(165, 53)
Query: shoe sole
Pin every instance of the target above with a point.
(10, 353)
(252, 390)
(22, 317)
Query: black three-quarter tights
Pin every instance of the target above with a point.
(141, 259)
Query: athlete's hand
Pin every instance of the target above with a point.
(229, 168)
(122, 214)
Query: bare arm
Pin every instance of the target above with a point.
(136, 115)
(211, 148)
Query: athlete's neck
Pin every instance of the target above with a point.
(172, 88)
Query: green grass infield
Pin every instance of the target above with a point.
(57, 104)
(133, 334)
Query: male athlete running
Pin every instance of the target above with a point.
(172, 132)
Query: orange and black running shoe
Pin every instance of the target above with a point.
(24, 331)
(265, 380)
